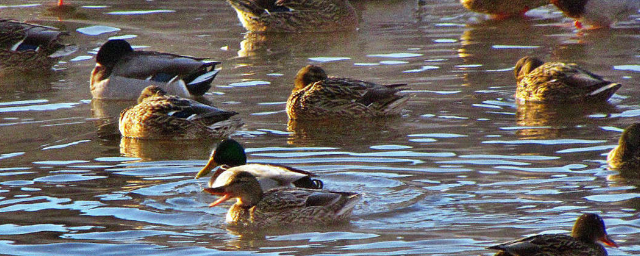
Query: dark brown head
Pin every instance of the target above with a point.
(111, 51)
(525, 65)
(630, 141)
(589, 228)
(307, 75)
(151, 91)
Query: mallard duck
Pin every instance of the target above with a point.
(597, 13)
(296, 15)
(121, 73)
(279, 206)
(501, 9)
(588, 229)
(317, 96)
(230, 156)
(627, 154)
(28, 47)
(161, 116)
(559, 82)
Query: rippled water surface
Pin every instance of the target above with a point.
(464, 168)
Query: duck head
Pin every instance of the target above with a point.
(111, 51)
(307, 75)
(525, 65)
(151, 91)
(228, 152)
(240, 185)
(590, 228)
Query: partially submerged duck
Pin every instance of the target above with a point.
(501, 9)
(597, 13)
(295, 15)
(161, 116)
(122, 73)
(627, 154)
(230, 156)
(540, 81)
(587, 231)
(318, 96)
(28, 47)
(279, 206)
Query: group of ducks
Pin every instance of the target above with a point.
(166, 86)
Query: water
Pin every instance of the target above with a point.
(464, 168)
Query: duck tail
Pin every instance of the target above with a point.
(395, 106)
(307, 182)
(350, 201)
(199, 82)
(604, 92)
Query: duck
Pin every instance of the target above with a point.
(597, 13)
(626, 155)
(502, 9)
(587, 230)
(26, 47)
(279, 206)
(161, 116)
(555, 82)
(231, 157)
(295, 16)
(122, 73)
(315, 96)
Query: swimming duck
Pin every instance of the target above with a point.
(161, 116)
(317, 96)
(28, 47)
(597, 13)
(588, 229)
(121, 73)
(295, 15)
(279, 206)
(559, 82)
(627, 154)
(501, 9)
(230, 156)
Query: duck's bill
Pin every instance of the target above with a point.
(218, 192)
(207, 168)
(608, 241)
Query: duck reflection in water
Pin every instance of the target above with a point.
(547, 121)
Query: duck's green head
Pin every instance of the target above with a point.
(228, 152)
(589, 228)
(525, 65)
(307, 75)
(111, 51)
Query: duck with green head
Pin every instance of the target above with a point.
(279, 206)
(167, 117)
(230, 156)
(122, 73)
(588, 229)
(558, 82)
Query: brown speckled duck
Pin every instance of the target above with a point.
(317, 96)
(230, 156)
(627, 154)
(161, 116)
(295, 15)
(597, 13)
(28, 47)
(501, 9)
(559, 82)
(588, 229)
(122, 73)
(279, 206)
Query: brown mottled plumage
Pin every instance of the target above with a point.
(503, 8)
(597, 13)
(29, 47)
(588, 229)
(626, 155)
(317, 96)
(559, 82)
(279, 206)
(161, 116)
(295, 15)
